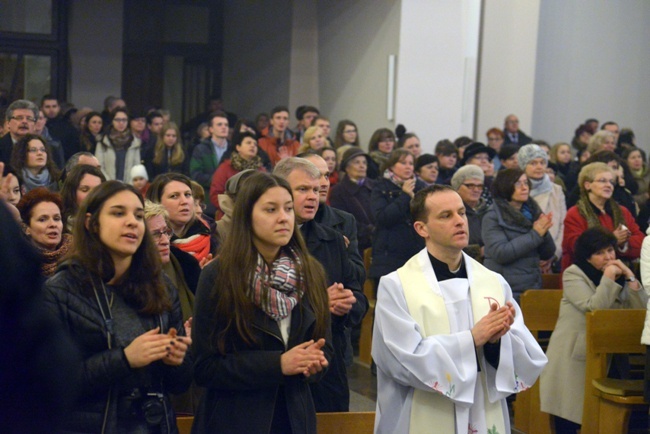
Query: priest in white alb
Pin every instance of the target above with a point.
(449, 341)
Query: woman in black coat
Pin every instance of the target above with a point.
(125, 317)
(395, 239)
(261, 324)
(352, 194)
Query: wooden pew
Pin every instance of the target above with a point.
(608, 403)
(552, 281)
(344, 423)
(184, 424)
(541, 308)
(365, 341)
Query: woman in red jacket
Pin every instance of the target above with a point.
(597, 208)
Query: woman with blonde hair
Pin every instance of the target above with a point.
(313, 139)
(603, 140)
(167, 155)
(597, 208)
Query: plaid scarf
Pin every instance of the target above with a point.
(276, 291)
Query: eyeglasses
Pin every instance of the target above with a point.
(37, 150)
(23, 118)
(474, 186)
(521, 184)
(494, 139)
(120, 119)
(157, 235)
(387, 139)
(604, 181)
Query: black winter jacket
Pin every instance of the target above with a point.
(395, 239)
(105, 375)
(245, 389)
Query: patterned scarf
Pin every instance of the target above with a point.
(239, 163)
(379, 157)
(388, 174)
(276, 291)
(586, 210)
(51, 257)
(195, 241)
(120, 140)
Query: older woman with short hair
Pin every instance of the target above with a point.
(352, 194)
(597, 208)
(533, 160)
(40, 211)
(468, 182)
(596, 280)
(516, 233)
(603, 140)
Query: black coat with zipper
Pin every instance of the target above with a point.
(104, 374)
(245, 388)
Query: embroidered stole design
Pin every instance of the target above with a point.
(434, 410)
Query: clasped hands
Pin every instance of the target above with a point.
(495, 324)
(306, 358)
(340, 299)
(152, 346)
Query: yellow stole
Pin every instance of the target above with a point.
(433, 410)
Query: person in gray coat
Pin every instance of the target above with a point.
(516, 233)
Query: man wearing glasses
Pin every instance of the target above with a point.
(20, 120)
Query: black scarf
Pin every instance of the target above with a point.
(594, 274)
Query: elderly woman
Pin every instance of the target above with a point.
(31, 157)
(395, 239)
(468, 182)
(516, 232)
(191, 234)
(118, 150)
(533, 160)
(352, 194)
(597, 208)
(244, 156)
(597, 280)
(603, 140)
(40, 211)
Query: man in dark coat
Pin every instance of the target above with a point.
(20, 120)
(348, 305)
(512, 132)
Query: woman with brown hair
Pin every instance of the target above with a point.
(118, 150)
(124, 316)
(31, 157)
(261, 324)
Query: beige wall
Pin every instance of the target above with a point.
(355, 39)
(507, 63)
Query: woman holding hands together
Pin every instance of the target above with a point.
(261, 324)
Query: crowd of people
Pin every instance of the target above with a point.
(218, 266)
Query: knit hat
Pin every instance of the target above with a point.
(350, 155)
(528, 153)
(138, 171)
(464, 173)
(507, 151)
(423, 160)
(475, 149)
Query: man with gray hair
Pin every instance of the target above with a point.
(468, 182)
(21, 117)
(347, 303)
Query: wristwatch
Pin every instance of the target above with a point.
(631, 279)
